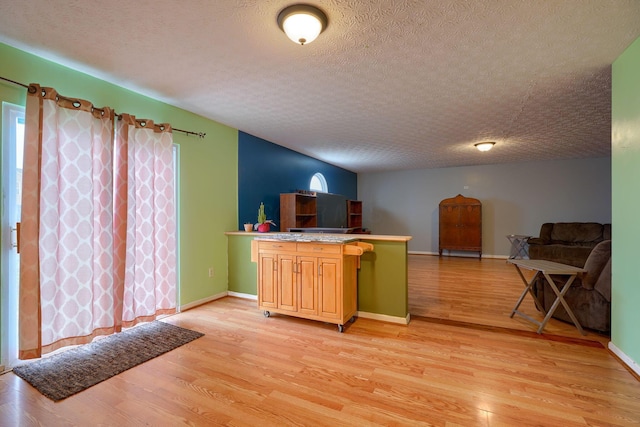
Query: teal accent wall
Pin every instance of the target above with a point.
(625, 139)
(265, 170)
(208, 180)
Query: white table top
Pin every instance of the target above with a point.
(545, 266)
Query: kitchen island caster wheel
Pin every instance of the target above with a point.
(267, 313)
(353, 319)
(341, 328)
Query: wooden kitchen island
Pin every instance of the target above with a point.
(382, 277)
(309, 276)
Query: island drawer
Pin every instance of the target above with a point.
(277, 246)
(318, 248)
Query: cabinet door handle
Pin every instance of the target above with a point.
(319, 269)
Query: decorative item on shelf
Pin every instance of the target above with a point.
(248, 226)
(263, 225)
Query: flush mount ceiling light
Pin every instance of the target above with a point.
(302, 23)
(484, 146)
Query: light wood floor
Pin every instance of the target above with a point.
(249, 370)
(466, 290)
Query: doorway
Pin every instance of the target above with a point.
(12, 152)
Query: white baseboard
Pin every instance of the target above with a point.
(241, 295)
(203, 301)
(625, 359)
(458, 254)
(421, 253)
(385, 317)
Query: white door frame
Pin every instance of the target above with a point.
(10, 215)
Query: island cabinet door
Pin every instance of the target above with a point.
(287, 289)
(307, 271)
(330, 287)
(268, 281)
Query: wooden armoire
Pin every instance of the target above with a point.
(461, 225)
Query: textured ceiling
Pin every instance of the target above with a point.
(389, 85)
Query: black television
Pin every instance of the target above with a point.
(331, 210)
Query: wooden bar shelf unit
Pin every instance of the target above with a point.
(298, 210)
(354, 214)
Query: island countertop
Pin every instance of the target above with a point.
(320, 237)
(307, 237)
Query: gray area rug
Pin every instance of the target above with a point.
(65, 374)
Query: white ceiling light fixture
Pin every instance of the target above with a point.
(302, 23)
(484, 146)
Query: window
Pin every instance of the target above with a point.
(318, 183)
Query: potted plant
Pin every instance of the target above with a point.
(263, 225)
(248, 226)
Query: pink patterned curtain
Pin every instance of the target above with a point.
(75, 249)
(145, 171)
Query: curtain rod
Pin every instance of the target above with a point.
(200, 135)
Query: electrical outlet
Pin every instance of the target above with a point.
(210, 271)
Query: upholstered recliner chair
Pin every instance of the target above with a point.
(568, 242)
(590, 294)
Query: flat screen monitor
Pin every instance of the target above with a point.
(331, 210)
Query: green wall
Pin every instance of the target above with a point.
(625, 136)
(243, 274)
(383, 281)
(208, 180)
